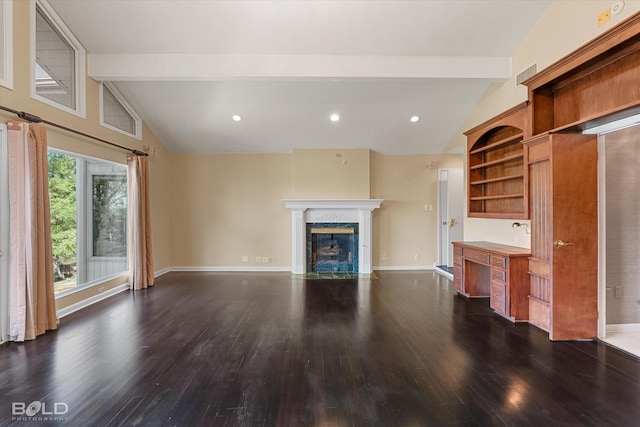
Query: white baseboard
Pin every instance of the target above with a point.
(92, 300)
(444, 273)
(624, 327)
(234, 269)
(161, 272)
(403, 268)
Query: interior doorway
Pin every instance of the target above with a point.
(450, 216)
(619, 238)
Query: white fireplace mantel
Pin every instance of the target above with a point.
(304, 211)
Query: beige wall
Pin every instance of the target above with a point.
(563, 27)
(228, 206)
(402, 228)
(20, 99)
(330, 173)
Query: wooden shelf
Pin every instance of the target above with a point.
(502, 178)
(501, 196)
(515, 138)
(497, 184)
(498, 161)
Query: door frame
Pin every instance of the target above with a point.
(602, 241)
(444, 214)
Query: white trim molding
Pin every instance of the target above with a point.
(6, 19)
(404, 268)
(92, 300)
(331, 210)
(233, 269)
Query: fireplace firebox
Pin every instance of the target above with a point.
(332, 247)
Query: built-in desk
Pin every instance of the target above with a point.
(500, 272)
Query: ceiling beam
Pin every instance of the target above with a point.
(205, 67)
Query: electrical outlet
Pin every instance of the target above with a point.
(258, 259)
(416, 257)
(265, 260)
(245, 258)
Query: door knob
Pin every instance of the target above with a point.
(560, 244)
(452, 222)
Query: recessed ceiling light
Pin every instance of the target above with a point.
(334, 117)
(236, 118)
(414, 119)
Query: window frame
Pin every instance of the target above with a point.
(84, 218)
(6, 73)
(79, 59)
(88, 200)
(118, 96)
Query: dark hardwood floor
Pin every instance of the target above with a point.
(268, 350)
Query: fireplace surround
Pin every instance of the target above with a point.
(332, 214)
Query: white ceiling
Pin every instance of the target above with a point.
(187, 66)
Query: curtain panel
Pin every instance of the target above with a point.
(31, 293)
(140, 248)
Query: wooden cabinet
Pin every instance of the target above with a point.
(497, 174)
(485, 269)
(564, 241)
(593, 85)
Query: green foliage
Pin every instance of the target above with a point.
(62, 193)
(109, 215)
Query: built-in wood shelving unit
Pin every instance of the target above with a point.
(497, 167)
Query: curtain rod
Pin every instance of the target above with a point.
(35, 119)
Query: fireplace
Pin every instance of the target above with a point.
(332, 247)
(342, 232)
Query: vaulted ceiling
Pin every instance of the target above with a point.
(187, 67)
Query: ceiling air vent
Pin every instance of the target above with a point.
(526, 74)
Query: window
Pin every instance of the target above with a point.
(6, 44)
(116, 114)
(88, 220)
(109, 215)
(59, 62)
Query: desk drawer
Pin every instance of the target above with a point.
(498, 261)
(498, 297)
(476, 256)
(498, 275)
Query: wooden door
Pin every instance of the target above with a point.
(574, 313)
(564, 246)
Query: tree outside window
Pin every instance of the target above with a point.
(109, 216)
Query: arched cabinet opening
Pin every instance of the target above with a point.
(497, 173)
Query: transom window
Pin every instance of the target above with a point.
(116, 114)
(58, 66)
